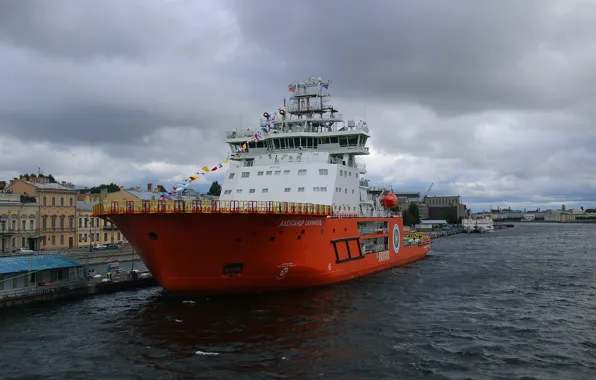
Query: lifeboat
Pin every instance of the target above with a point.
(389, 201)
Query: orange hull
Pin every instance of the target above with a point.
(235, 253)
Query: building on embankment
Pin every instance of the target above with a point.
(29, 275)
(19, 222)
(57, 210)
(92, 230)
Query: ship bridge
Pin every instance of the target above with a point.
(309, 154)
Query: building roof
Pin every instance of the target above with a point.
(50, 186)
(83, 206)
(16, 264)
(144, 195)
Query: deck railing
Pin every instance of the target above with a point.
(211, 207)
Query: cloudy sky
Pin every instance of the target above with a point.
(492, 100)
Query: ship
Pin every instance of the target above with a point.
(478, 224)
(295, 210)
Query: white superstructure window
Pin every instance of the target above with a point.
(251, 191)
(341, 173)
(323, 172)
(286, 172)
(231, 176)
(259, 173)
(268, 172)
(277, 172)
(318, 189)
(228, 192)
(287, 190)
(238, 191)
(301, 189)
(245, 174)
(265, 190)
(302, 172)
(324, 189)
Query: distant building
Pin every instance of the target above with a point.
(93, 230)
(57, 210)
(440, 206)
(19, 222)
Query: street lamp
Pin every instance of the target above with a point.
(3, 223)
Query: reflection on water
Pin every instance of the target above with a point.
(511, 305)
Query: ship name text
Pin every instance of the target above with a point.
(383, 256)
(300, 223)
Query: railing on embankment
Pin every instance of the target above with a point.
(209, 207)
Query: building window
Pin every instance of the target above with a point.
(80, 238)
(80, 222)
(53, 201)
(97, 236)
(62, 201)
(31, 225)
(61, 222)
(251, 191)
(286, 172)
(53, 239)
(53, 222)
(105, 236)
(245, 174)
(14, 242)
(14, 225)
(119, 236)
(302, 172)
(301, 189)
(265, 190)
(23, 225)
(44, 200)
(92, 222)
(277, 172)
(287, 190)
(238, 191)
(268, 172)
(44, 223)
(61, 239)
(259, 173)
(70, 201)
(71, 222)
(323, 172)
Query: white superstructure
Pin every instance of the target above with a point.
(484, 224)
(309, 156)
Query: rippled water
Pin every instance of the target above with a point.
(516, 304)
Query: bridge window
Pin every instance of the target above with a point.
(277, 172)
(302, 172)
(260, 173)
(301, 189)
(286, 172)
(245, 174)
(228, 192)
(231, 176)
(238, 191)
(265, 190)
(287, 190)
(269, 172)
(323, 172)
(251, 191)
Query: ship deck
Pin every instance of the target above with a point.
(209, 207)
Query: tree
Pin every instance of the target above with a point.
(215, 189)
(414, 212)
(112, 188)
(563, 208)
(450, 215)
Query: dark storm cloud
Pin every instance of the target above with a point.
(455, 56)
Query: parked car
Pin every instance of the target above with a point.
(99, 246)
(112, 246)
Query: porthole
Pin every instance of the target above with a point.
(152, 236)
(271, 239)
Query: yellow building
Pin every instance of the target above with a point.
(92, 230)
(19, 220)
(57, 210)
